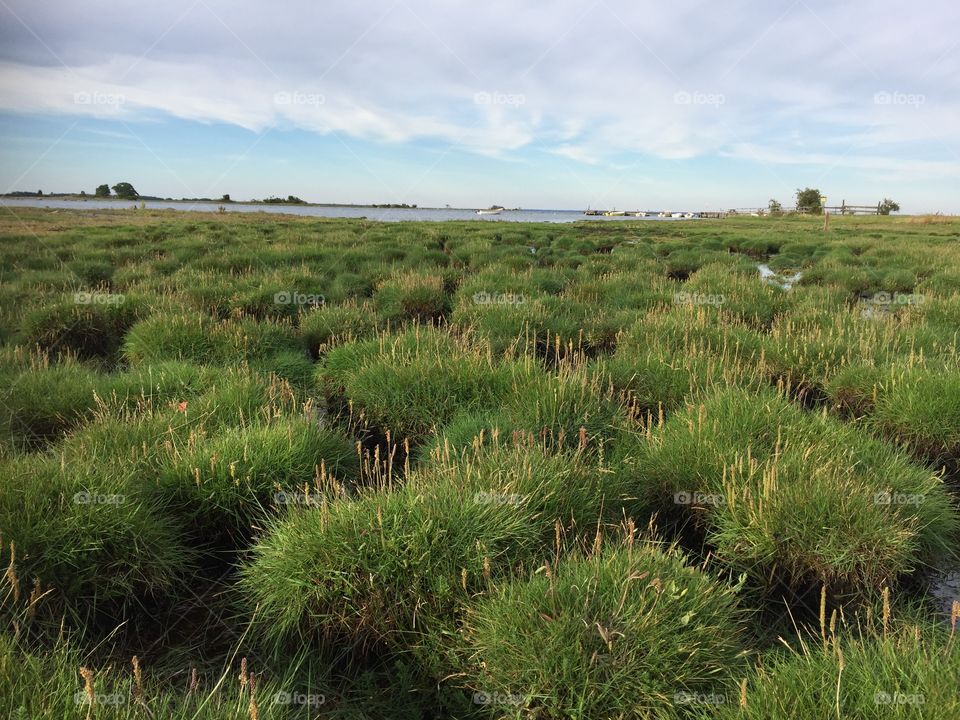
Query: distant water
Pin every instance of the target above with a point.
(382, 214)
(784, 281)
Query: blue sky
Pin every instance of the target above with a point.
(542, 105)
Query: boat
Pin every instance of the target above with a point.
(676, 214)
(689, 215)
(663, 214)
(615, 213)
(490, 211)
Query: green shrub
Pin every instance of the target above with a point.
(921, 410)
(570, 406)
(290, 365)
(414, 383)
(200, 339)
(749, 299)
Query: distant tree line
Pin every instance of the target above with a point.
(290, 200)
(810, 200)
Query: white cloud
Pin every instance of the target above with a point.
(785, 84)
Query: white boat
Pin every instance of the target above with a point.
(490, 211)
(615, 213)
(676, 215)
(689, 215)
(663, 214)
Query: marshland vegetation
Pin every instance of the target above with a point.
(282, 467)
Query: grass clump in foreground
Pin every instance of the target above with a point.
(221, 484)
(624, 633)
(397, 567)
(874, 669)
(789, 496)
(89, 543)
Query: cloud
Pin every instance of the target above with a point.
(589, 83)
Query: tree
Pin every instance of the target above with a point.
(774, 207)
(102, 191)
(808, 200)
(226, 198)
(888, 206)
(125, 191)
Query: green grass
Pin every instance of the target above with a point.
(619, 634)
(385, 462)
(397, 567)
(787, 495)
(862, 670)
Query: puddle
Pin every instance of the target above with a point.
(782, 281)
(945, 587)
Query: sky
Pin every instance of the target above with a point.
(566, 105)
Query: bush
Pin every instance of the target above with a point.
(749, 299)
(619, 634)
(569, 407)
(921, 410)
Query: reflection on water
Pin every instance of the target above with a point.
(783, 281)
